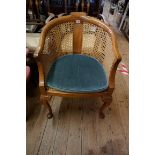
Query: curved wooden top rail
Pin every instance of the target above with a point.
(71, 18)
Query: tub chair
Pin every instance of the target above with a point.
(77, 56)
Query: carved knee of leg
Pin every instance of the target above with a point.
(106, 103)
(107, 100)
(41, 98)
(45, 101)
(44, 98)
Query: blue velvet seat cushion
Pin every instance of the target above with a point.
(77, 73)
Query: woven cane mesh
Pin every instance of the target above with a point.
(57, 41)
(97, 43)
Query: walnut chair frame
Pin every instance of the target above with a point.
(77, 34)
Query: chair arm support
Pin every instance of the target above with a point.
(113, 72)
(41, 78)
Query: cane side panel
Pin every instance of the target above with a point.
(98, 43)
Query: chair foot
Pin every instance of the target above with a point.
(107, 102)
(45, 101)
(50, 114)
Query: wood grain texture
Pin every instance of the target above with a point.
(74, 136)
(60, 143)
(34, 137)
(89, 127)
(50, 133)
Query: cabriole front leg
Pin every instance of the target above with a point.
(45, 100)
(107, 101)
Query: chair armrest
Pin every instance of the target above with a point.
(115, 63)
(41, 77)
(112, 73)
